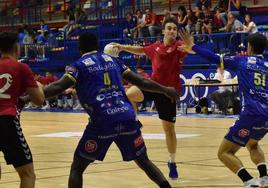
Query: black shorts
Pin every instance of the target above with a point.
(165, 108)
(12, 142)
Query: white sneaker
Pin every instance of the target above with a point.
(46, 107)
(28, 106)
(264, 181)
(252, 183)
(77, 107)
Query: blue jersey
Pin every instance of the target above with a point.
(252, 73)
(100, 89)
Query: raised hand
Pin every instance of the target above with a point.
(188, 41)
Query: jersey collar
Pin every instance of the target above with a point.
(92, 52)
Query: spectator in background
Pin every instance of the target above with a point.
(43, 26)
(28, 40)
(152, 23)
(80, 18)
(139, 29)
(207, 22)
(199, 4)
(222, 7)
(167, 14)
(199, 20)
(69, 28)
(182, 16)
(234, 7)
(130, 24)
(48, 79)
(217, 21)
(249, 26)
(191, 21)
(21, 35)
(233, 25)
(223, 96)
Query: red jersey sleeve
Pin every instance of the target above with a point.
(28, 78)
(149, 50)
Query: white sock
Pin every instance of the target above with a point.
(172, 157)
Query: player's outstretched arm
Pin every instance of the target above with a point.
(190, 47)
(138, 50)
(58, 87)
(151, 86)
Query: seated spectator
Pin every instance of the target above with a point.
(249, 26)
(222, 7)
(152, 23)
(182, 16)
(139, 30)
(199, 4)
(80, 18)
(223, 96)
(70, 26)
(191, 21)
(207, 23)
(130, 24)
(234, 7)
(217, 21)
(167, 14)
(199, 20)
(233, 24)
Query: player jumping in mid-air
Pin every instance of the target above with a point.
(166, 65)
(252, 124)
(98, 82)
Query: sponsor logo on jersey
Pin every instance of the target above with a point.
(243, 133)
(252, 60)
(91, 146)
(106, 67)
(102, 96)
(88, 61)
(138, 141)
(115, 110)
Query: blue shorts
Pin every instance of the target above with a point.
(247, 127)
(95, 142)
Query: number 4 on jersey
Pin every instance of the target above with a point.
(106, 79)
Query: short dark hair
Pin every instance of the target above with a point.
(88, 42)
(258, 42)
(8, 41)
(170, 20)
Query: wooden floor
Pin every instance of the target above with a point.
(197, 156)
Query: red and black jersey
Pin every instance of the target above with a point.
(15, 78)
(166, 63)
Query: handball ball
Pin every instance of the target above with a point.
(110, 50)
